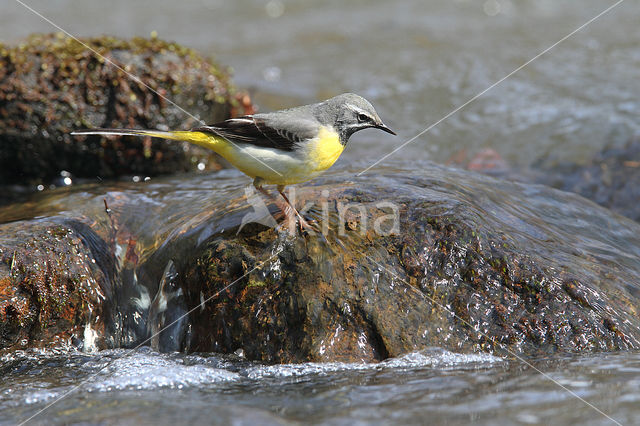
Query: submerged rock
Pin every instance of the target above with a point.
(411, 260)
(611, 179)
(51, 85)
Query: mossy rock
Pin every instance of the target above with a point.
(455, 276)
(55, 279)
(51, 85)
(476, 264)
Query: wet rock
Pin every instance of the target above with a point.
(51, 85)
(611, 179)
(411, 259)
(451, 278)
(54, 279)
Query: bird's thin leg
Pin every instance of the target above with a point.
(285, 207)
(257, 184)
(302, 222)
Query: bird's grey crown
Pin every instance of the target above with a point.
(342, 111)
(331, 110)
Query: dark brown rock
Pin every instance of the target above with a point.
(475, 264)
(449, 279)
(51, 85)
(610, 178)
(52, 285)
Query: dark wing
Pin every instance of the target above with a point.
(255, 131)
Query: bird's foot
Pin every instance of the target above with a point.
(292, 220)
(309, 226)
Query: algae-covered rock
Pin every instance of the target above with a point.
(410, 259)
(464, 273)
(51, 85)
(54, 279)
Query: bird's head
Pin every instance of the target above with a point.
(349, 113)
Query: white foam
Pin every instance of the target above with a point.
(152, 371)
(438, 358)
(90, 337)
(149, 370)
(427, 358)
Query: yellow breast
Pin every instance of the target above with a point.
(325, 150)
(275, 166)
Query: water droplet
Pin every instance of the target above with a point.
(491, 7)
(274, 8)
(272, 74)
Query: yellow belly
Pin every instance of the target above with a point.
(311, 159)
(274, 166)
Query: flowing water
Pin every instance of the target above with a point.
(416, 61)
(141, 386)
(430, 387)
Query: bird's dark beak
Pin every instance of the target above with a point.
(382, 126)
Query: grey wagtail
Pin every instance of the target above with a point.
(282, 147)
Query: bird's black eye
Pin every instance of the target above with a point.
(362, 118)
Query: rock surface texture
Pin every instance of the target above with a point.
(411, 260)
(51, 85)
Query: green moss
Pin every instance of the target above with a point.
(65, 47)
(253, 283)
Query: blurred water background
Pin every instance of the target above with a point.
(416, 61)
